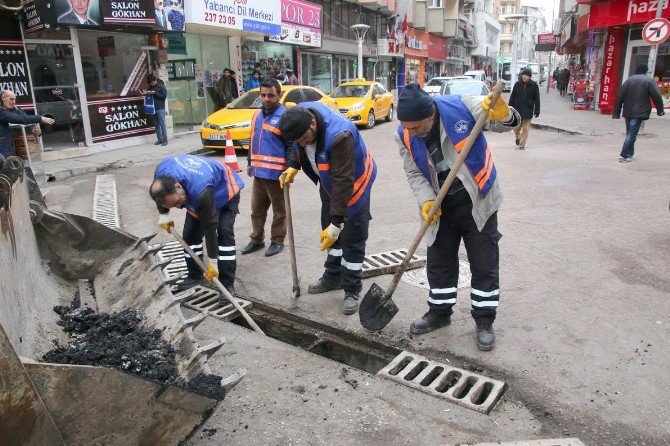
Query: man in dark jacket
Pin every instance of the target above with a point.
(332, 153)
(525, 99)
(159, 92)
(226, 87)
(634, 96)
(10, 114)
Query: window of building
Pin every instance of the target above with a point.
(434, 3)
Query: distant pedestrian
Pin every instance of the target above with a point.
(11, 114)
(563, 81)
(556, 76)
(525, 99)
(635, 96)
(226, 87)
(254, 81)
(292, 78)
(158, 90)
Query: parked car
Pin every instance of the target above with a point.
(236, 116)
(465, 87)
(363, 102)
(479, 75)
(434, 85)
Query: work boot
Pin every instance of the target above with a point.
(486, 337)
(274, 249)
(350, 304)
(429, 322)
(190, 282)
(158, 143)
(251, 247)
(323, 285)
(165, 143)
(224, 300)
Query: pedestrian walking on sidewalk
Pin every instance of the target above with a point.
(563, 81)
(469, 211)
(158, 91)
(210, 192)
(635, 98)
(332, 153)
(266, 161)
(525, 99)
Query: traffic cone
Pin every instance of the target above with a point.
(229, 156)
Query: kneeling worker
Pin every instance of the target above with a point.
(210, 192)
(431, 133)
(332, 153)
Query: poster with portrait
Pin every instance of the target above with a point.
(78, 12)
(171, 14)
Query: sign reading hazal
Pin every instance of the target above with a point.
(258, 16)
(656, 31)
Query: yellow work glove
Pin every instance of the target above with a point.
(212, 270)
(329, 236)
(287, 176)
(165, 222)
(425, 208)
(499, 111)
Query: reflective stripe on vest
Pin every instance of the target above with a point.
(267, 150)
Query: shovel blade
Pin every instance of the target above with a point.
(376, 309)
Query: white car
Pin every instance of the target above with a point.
(434, 85)
(478, 75)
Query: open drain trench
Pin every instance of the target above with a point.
(468, 389)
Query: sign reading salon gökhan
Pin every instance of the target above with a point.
(257, 16)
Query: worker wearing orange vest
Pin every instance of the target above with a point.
(331, 152)
(432, 132)
(266, 162)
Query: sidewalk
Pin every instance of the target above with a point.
(557, 115)
(114, 159)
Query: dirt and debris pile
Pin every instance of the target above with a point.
(120, 341)
(114, 340)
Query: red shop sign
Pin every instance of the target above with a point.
(437, 47)
(609, 85)
(549, 39)
(625, 12)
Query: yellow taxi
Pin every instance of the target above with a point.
(236, 117)
(364, 102)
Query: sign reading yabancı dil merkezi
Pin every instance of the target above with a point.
(258, 16)
(128, 12)
(122, 117)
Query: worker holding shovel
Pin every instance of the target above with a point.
(332, 153)
(210, 192)
(431, 134)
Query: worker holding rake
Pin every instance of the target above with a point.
(431, 134)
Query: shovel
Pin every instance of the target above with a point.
(218, 284)
(291, 241)
(377, 307)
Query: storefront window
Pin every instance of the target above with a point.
(186, 102)
(269, 58)
(316, 71)
(215, 57)
(662, 71)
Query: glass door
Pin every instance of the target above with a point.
(56, 93)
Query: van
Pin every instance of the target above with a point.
(535, 70)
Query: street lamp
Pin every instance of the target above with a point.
(360, 30)
(508, 17)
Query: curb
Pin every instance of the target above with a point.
(552, 128)
(63, 174)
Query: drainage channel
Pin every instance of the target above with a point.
(453, 384)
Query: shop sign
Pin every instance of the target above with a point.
(416, 42)
(609, 84)
(120, 117)
(14, 72)
(547, 39)
(625, 12)
(437, 47)
(128, 12)
(68, 15)
(38, 15)
(257, 16)
(300, 24)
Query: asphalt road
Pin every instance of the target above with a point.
(584, 318)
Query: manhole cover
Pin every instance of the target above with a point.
(389, 262)
(468, 389)
(418, 277)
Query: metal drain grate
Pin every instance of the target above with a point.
(204, 298)
(418, 277)
(177, 266)
(471, 390)
(105, 204)
(388, 262)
